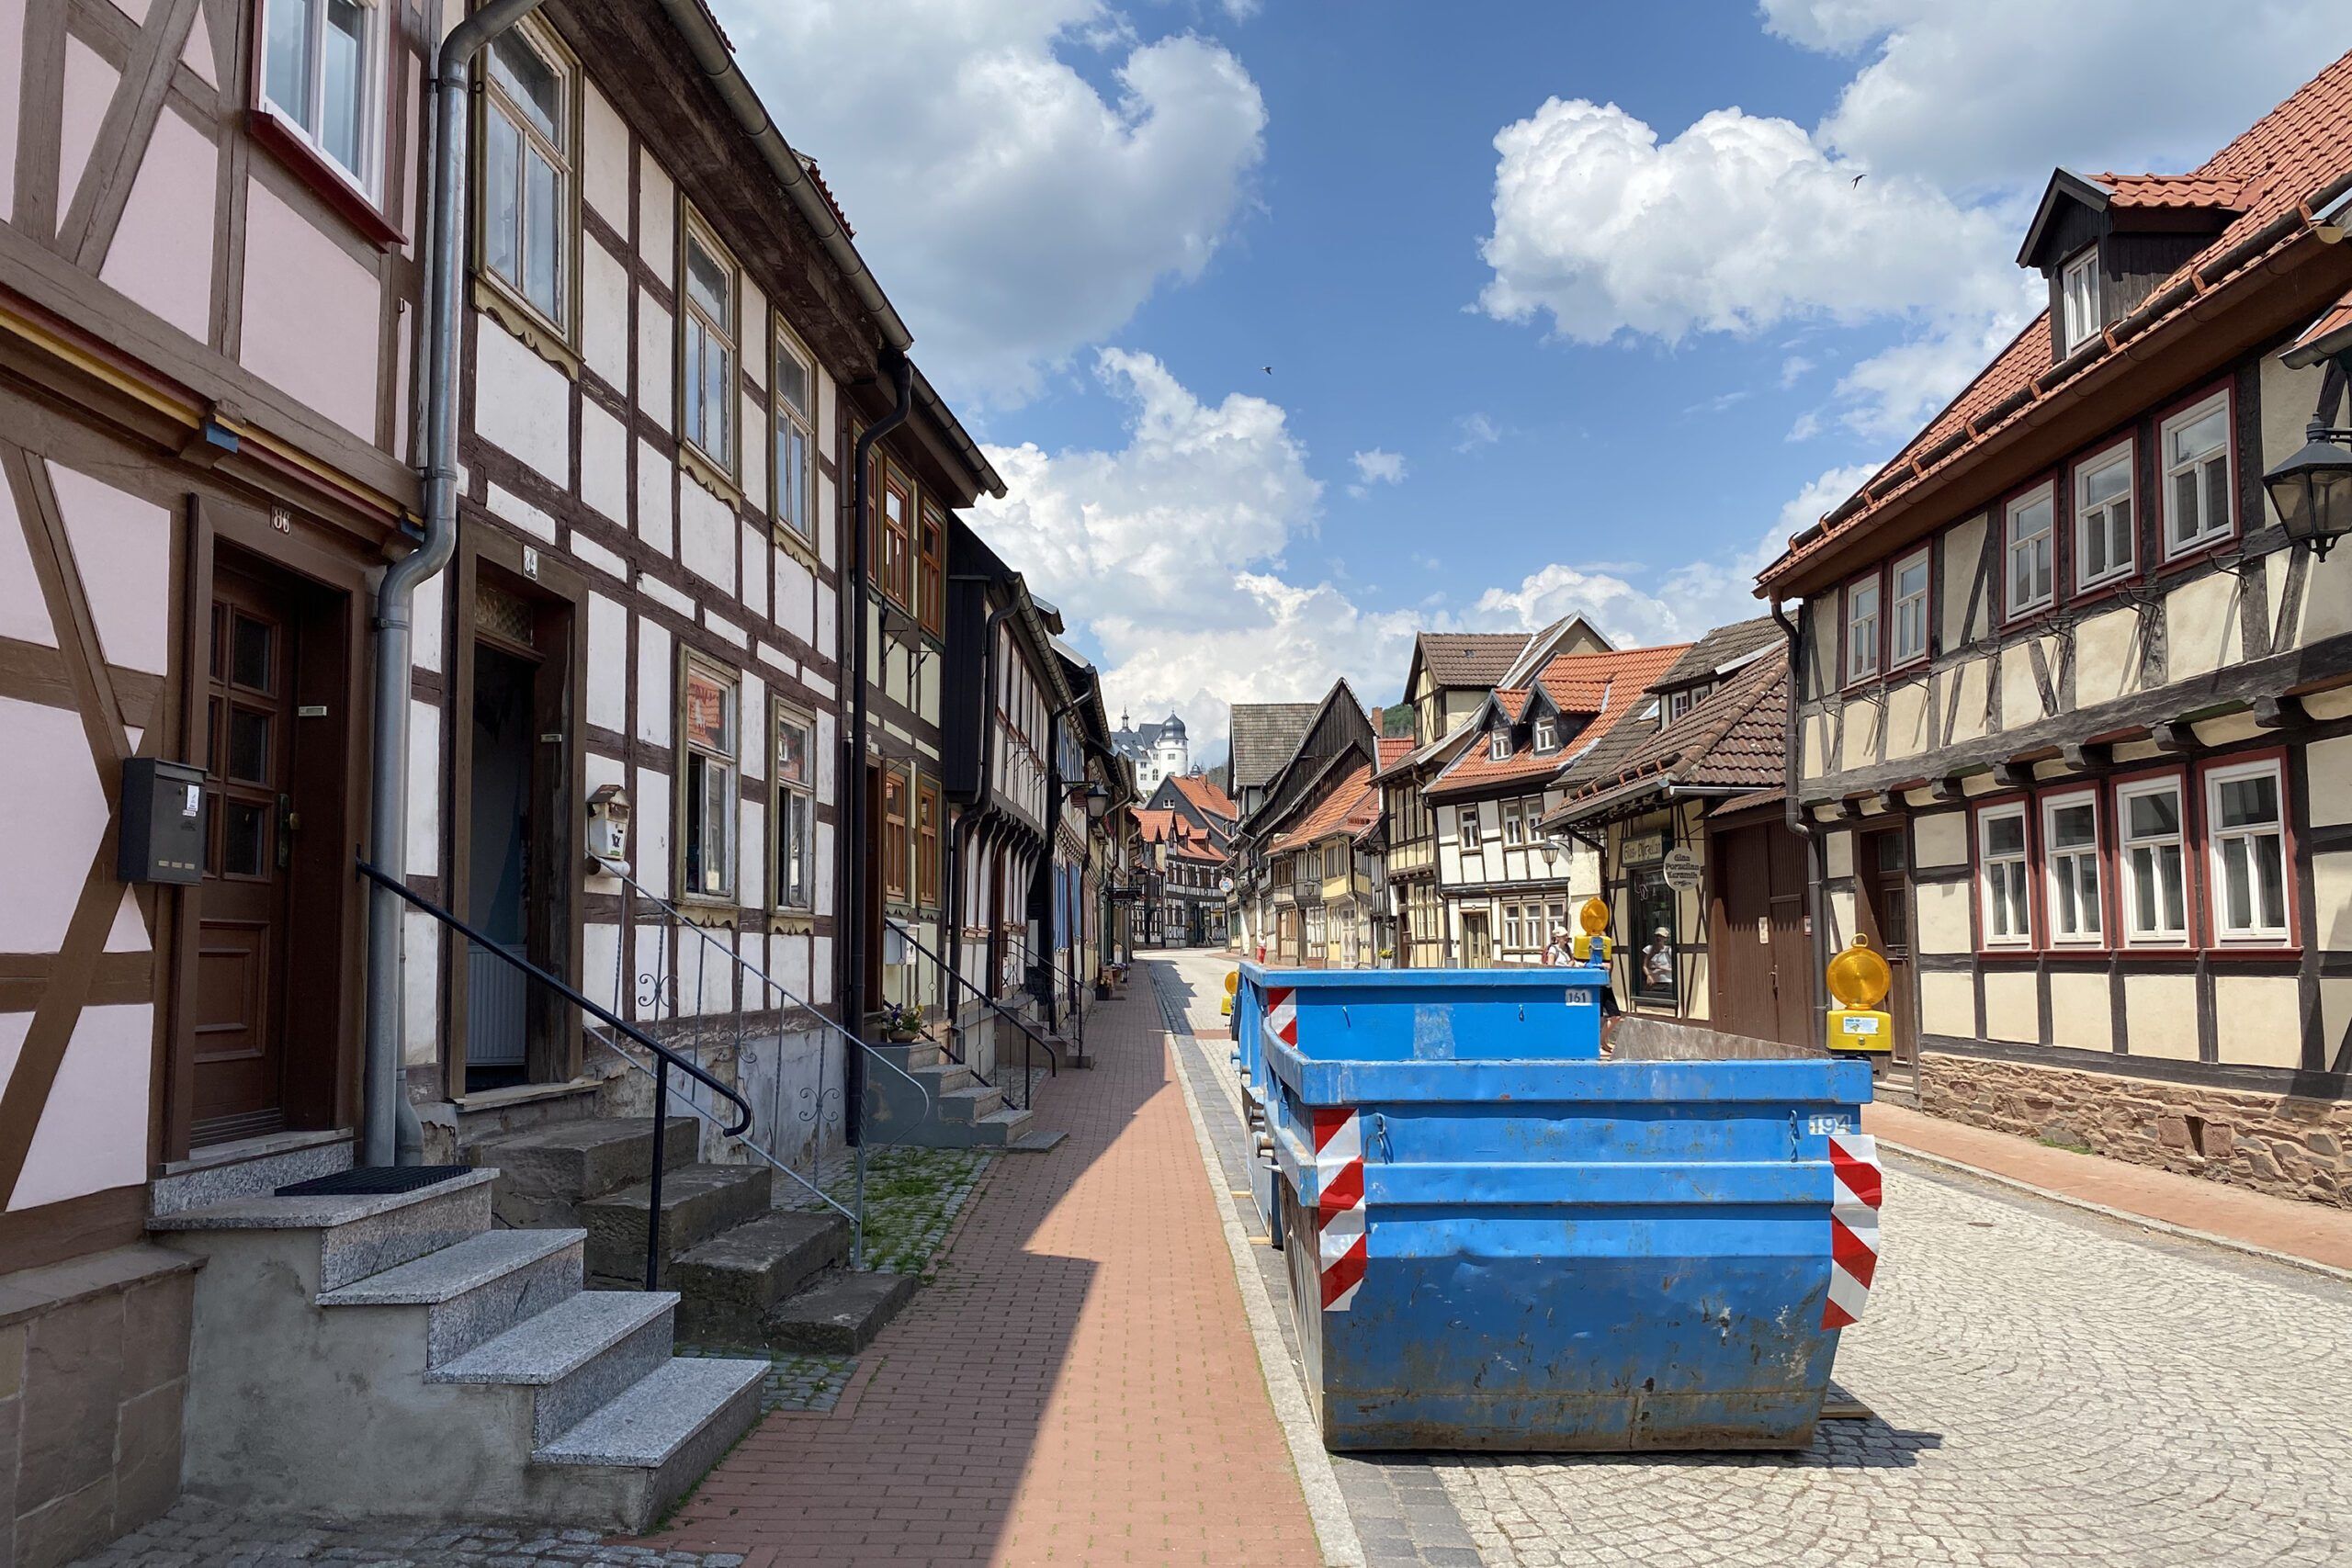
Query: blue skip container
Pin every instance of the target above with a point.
(1498, 1239)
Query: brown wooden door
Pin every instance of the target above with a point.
(241, 979)
(1882, 879)
(1756, 936)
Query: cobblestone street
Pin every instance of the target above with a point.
(2049, 1388)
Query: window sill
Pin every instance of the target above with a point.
(291, 148)
(714, 910)
(2272, 952)
(2196, 555)
(791, 922)
(708, 474)
(798, 546)
(526, 325)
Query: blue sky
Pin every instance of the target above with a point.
(1569, 305)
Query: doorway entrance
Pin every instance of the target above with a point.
(1757, 937)
(518, 830)
(1883, 877)
(1478, 941)
(263, 1008)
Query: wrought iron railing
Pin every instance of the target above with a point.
(661, 987)
(1032, 1041)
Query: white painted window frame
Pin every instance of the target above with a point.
(1862, 652)
(2080, 305)
(561, 155)
(2022, 861)
(2127, 864)
(1900, 654)
(2208, 531)
(786, 421)
(2124, 455)
(2059, 867)
(2216, 840)
(2044, 494)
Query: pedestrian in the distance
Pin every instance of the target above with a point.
(1558, 954)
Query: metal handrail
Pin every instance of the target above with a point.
(1058, 972)
(662, 1055)
(1053, 1061)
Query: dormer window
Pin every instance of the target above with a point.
(1547, 736)
(2078, 298)
(1498, 745)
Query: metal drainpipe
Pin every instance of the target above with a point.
(855, 828)
(1798, 822)
(972, 821)
(391, 1132)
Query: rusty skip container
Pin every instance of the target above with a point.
(1498, 1239)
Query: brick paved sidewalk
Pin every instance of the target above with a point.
(1079, 1384)
(2253, 1219)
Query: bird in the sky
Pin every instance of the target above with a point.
(1267, 369)
(1858, 178)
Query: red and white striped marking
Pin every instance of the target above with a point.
(1339, 1206)
(1282, 1013)
(1853, 1226)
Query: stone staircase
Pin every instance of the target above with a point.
(962, 1112)
(363, 1357)
(748, 1276)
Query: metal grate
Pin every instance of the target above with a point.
(373, 1180)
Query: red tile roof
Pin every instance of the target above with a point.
(2295, 157)
(1606, 685)
(1201, 791)
(1351, 803)
(1394, 749)
(1736, 739)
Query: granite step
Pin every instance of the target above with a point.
(1003, 1129)
(476, 1290)
(841, 1314)
(942, 1077)
(360, 1234)
(545, 1173)
(733, 1281)
(579, 1354)
(971, 1104)
(675, 1423)
(698, 1202)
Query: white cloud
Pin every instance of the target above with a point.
(1737, 224)
(1378, 467)
(1014, 213)
(1474, 431)
(1996, 92)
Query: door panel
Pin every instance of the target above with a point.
(239, 1024)
(1477, 943)
(1883, 876)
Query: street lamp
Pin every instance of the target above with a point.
(1098, 799)
(2313, 490)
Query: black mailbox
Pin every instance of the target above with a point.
(163, 822)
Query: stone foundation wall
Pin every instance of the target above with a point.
(2275, 1144)
(93, 1375)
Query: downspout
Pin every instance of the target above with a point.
(1793, 814)
(1053, 782)
(984, 808)
(856, 828)
(390, 1132)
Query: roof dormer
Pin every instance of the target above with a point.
(2105, 242)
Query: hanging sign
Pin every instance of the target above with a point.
(1639, 850)
(1682, 870)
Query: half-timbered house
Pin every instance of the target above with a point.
(1278, 889)
(1261, 738)
(2074, 711)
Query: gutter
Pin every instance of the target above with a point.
(390, 1132)
(727, 79)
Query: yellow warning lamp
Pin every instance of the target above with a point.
(1590, 945)
(1858, 980)
(1232, 984)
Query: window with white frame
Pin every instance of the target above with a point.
(1907, 614)
(2105, 545)
(1468, 825)
(1547, 736)
(706, 720)
(796, 814)
(2196, 448)
(1514, 824)
(793, 472)
(2078, 292)
(2002, 874)
(708, 361)
(1862, 630)
(2247, 840)
(1514, 930)
(2154, 861)
(321, 75)
(2070, 866)
(527, 171)
(2028, 526)
(1498, 745)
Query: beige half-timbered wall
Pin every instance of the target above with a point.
(1639, 843)
(1507, 869)
(670, 548)
(203, 334)
(2234, 656)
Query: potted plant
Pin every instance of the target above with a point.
(902, 1023)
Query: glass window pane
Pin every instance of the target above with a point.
(2183, 525)
(710, 712)
(243, 837)
(2143, 889)
(792, 754)
(2154, 815)
(2217, 495)
(343, 113)
(2250, 801)
(2237, 879)
(706, 285)
(248, 746)
(501, 216)
(530, 81)
(542, 282)
(2004, 835)
(284, 68)
(2207, 433)
(2175, 889)
(250, 658)
(2071, 827)
(792, 381)
(716, 404)
(2103, 485)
